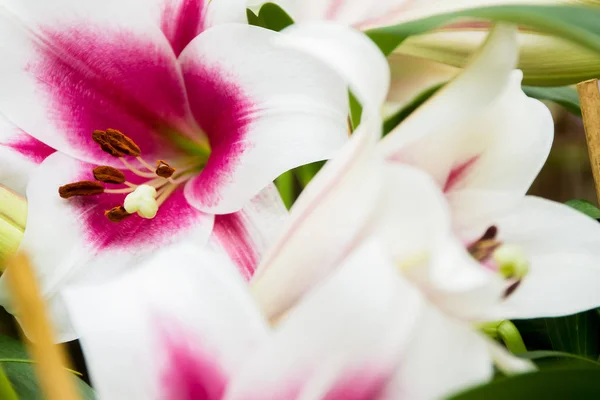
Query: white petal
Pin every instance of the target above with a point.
(564, 275)
(444, 357)
(511, 139)
(346, 336)
(464, 98)
(20, 153)
(182, 297)
(265, 109)
(72, 67)
(324, 222)
(350, 53)
(71, 241)
(246, 234)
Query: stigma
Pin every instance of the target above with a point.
(143, 199)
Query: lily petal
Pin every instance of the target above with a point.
(71, 241)
(182, 20)
(461, 100)
(336, 344)
(265, 109)
(75, 67)
(350, 53)
(341, 197)
(246, 234)
(180, 325)
(461, 359)
(563, 248)
(20, 153)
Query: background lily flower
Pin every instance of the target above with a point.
(424, 61)
(194, 330)
(484, 150)
(130, 93)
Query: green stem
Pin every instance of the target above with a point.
(507, 332)
(511, 337)
(6, 390)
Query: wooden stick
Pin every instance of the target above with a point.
(589, 94)
(26, 297)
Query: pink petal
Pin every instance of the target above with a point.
(182, 20)
(71, 241)
(265, 109)
(180, 325)
(362, 385)
(20, 154)
(89, 73)
(30, 147)
(191, 374)
(245, 235)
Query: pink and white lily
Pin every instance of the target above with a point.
(192, 331)
(157, 122)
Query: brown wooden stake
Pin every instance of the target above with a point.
(589, 95)
(51, 360)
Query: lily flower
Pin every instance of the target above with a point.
(445, 195)
(193, 331)
(152, 124)
(428, 60)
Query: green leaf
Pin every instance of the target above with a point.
(254, 19)
(19, 369)
(566, 96)
(573, 383)
(585, 207)
(286, 185)
(576, 334)
(559, 355)
(274, 17)
(575, 23)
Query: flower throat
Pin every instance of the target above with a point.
(142, 198)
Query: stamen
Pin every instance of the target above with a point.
(120, 191)
(164, 170)
(145, 164)
(122, 142)
(483, 248)
(137, 171)
(100, 138)
(82, 188)
(117, 214)
(109, 175)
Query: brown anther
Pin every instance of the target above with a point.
(122, 142)
(108, 174)
(116, 214)
(101, 138)
(483, 248)
(163, 169)
(511, 289)
(82, 188)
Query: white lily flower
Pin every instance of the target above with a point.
(498, 253)
(192, 331)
